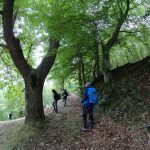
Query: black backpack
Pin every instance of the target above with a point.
(58, 96)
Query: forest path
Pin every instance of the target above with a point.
(61, 131)
(49, 134)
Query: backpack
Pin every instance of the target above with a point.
(92, 95)
(58, 97)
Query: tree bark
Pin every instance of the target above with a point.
(106, 64)
(33, 98)
(80, 79)
(82, 69)
(80, 55)
(94, 72)
(63, 83)
(97, 63)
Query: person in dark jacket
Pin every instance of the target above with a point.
(56, 98)
(10, 116)
(87, 109)
(64, 96)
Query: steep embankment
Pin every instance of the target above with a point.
(129, 99)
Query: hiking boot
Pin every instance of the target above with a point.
(83, 129)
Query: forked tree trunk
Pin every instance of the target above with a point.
(33, 78)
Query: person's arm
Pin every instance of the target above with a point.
(84, 95)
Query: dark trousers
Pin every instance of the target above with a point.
(55, 106)
(88, 111)
(64, 100)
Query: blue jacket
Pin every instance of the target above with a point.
(85, 100)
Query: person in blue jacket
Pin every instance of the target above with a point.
(87, 109)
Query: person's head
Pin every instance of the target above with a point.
(53, 91)
(88, 84)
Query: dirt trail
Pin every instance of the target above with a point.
(50, 135)
(61, 131)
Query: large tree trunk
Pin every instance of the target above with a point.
(33, 99)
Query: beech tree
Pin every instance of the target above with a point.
(33, 78)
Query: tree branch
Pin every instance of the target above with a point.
(47, 62)
(130, 31)
(121, 20)
(12, 42)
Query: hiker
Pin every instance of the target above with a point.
(56, 98)
(10, 116)
(64, 95)
(89, 99)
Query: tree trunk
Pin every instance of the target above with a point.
(106, 47)
(80, 79)
(63, 83)
(82, 66)
(106, 65)
(94, 72)
(82, 70)
(33, 99)
(97, 59)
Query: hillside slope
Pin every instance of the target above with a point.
(129, 99)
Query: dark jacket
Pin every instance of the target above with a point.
(65, 93)
(56, 95)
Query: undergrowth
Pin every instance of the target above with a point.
(123, 102)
